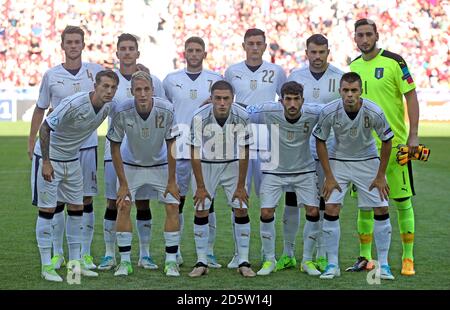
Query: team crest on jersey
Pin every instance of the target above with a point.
(353, 132)
(379, 72)
(316, 92)
(193, 94)
(290, 135)
(145, 133)
(253, 84)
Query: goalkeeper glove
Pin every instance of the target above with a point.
(421, 153)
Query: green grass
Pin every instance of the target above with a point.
(20, 262)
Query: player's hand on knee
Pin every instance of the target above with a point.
(329, 185)
(123, 194)
(201, 194)
(383, 188)
(172, 188)
(241, 195)
(47, 171)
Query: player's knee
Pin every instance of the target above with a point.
(311, 211)
(59, 207)
(402, 203)
(45, 212)
(267, 213)
(75, 207)
(111, 204)
(172, 211)
(124, 207)
(87, 200)
(202, 213)
(143, 204)
(332, 209)
(291, 199)
(240, 212)
(380, 211)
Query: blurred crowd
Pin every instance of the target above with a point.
(418, 30)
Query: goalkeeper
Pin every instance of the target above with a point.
(386, 79)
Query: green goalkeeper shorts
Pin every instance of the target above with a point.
(399, 178)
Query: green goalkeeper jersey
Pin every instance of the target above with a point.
(385, 79)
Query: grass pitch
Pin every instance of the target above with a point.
(20, 261)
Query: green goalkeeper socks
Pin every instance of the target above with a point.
(365, 231)
(406, 225)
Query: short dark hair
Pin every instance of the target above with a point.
(108, 73)
(127, 37)
(291, 88)
(365, 21)
(197, 40)
(351, 77)
(317, 39)
(222, 85)
(72, 29)
(252, 32)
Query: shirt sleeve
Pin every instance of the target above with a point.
(44, 99)
(196, 131)
(60, 115)
(383, 129)
(322, 129)
(116, 131)
(158, 88)
(166, 86)
(171, 129)
(403, 77)
(281, 80)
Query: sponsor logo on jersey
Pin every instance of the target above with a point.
(379, 72)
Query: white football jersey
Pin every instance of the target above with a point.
(353, 138)
(123, 93)
(290, 153)
(186, 96)
(72, 122)
(253, 88)
(319, 92)
(58, 83)
(220, 144)
(143, 140)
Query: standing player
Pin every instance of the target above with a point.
(58, 83)
(255, 81)
(320, 80)
(144, 124)
(386, 79)
(56, 171)
(220, 147)
(127, 53)
(354, 158)
(294, 168)
(187, 89)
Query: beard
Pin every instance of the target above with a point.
(369, 50)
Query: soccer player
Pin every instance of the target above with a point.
(144, 124)
(292, 166)
(220, 139)
(354, 158)
(255, 81)
(57, 173)
(386, 79)
(187, 89)
(127, 53)
(320, 80)
(59, 82)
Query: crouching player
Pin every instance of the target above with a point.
(354, 158)
(143, 124)
(57, 174)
